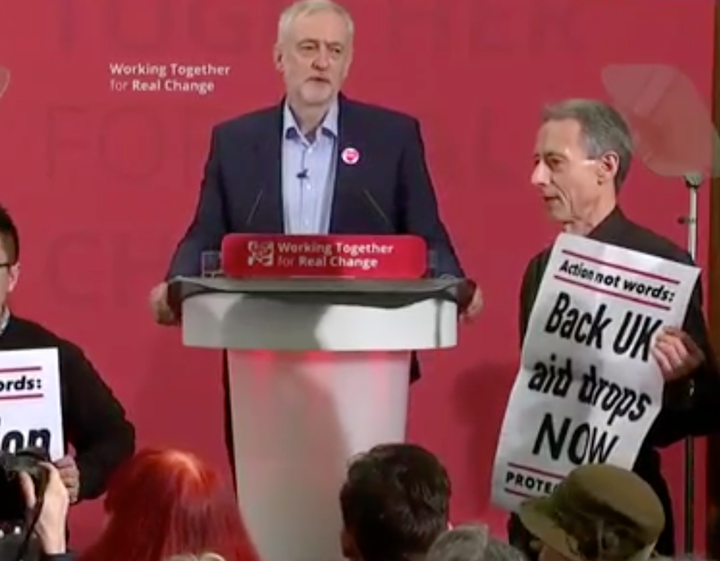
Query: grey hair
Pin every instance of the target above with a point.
(471, 543)
(308, 8)
(191, 557)
(603, 127)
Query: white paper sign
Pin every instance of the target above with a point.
(588, 389)
(30, 402)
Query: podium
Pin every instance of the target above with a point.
(319, 372)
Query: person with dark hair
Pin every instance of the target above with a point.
(94, 422)
(394, 503)
(583, 157)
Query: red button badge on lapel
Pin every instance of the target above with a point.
(350, 156)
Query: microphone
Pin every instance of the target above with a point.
(254, 208)
(379, 211)
(693, 180)
(303, 174)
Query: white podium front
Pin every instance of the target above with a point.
(319, 371)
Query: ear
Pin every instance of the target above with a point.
(13, 275)
(608, 166)
(278, 58)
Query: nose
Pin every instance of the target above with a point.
(541, 175)
(322, 60)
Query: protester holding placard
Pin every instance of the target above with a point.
(583, 156)
(53, 396)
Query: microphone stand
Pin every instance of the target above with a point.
(693, 181)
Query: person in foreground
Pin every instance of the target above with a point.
(315, 163)
(395, 502)
(582, 159)
(598, 513)
(471, 542)
(49, 539)
(166, 502)
(94, 422)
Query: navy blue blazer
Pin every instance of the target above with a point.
(388, 191)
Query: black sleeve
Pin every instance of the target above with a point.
(421, 215)
(704, 418)
(94, 422)
(692, 406)
(528, 291)
(58, 557)
(208, 225)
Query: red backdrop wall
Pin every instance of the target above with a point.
(103, 183)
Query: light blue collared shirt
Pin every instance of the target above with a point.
(308, 174)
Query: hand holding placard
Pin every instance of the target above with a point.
(588, 380)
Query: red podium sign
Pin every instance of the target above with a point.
(361, 257)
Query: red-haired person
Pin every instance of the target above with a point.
(167, 502)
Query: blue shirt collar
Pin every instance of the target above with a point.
(329, 124)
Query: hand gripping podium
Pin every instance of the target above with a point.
(319, 371)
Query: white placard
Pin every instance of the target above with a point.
(588, 389)
(30, 401)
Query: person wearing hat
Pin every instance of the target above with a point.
(599, 512)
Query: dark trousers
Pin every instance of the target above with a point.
(229, 444)
(647, 466)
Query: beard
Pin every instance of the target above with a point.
(315, 92)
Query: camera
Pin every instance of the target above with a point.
(12, 500)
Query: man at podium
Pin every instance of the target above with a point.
(315, 163)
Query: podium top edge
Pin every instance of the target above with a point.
(417, 287)
(385, 293)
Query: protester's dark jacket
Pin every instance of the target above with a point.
(94, 422)
(58, 557)
(691, 405)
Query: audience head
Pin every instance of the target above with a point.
(394, 502)
(9, 255)
(583, 154)
(598, 513)
(471, 543)
(202, 557)
(167, 502)
(314, 51)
